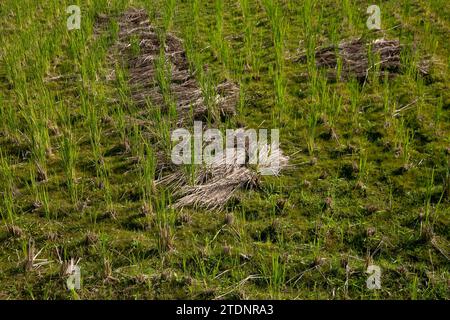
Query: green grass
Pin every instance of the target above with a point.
(368, 180)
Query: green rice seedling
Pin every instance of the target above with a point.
(414, 288)
(169, 12)
(119, 116)
(257, 62)
(278, 26)
(404, 139)
(334, 109)
(195, 9)
(408, 138)
(355, 98)
(163, 129)
(280, 92)
(163, 79)
(324, 95)
(122, 85)
(339, 69)
(7, 188)
(409, 61)
(40, 140)
(218, 42)
(40, 194)
(429, 190)
(438, 115)
(307, 14)
(107, 191)
(431, 41)
(311, 131)
(134, 46)
(242, 96)
(136, 138)
(373, 73)
(165, 220)
(348, 11)
(8, 118)
(406, 9)
(387, 106)
(208, 86)
(362, 167)
(248, 33)
(148, 168)
(95, 137)
(334, 33)
(313, 72)
(69, 156)
(275, 273)
(43, 199)
(189, 47)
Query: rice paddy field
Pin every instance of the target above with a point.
(87, 184)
